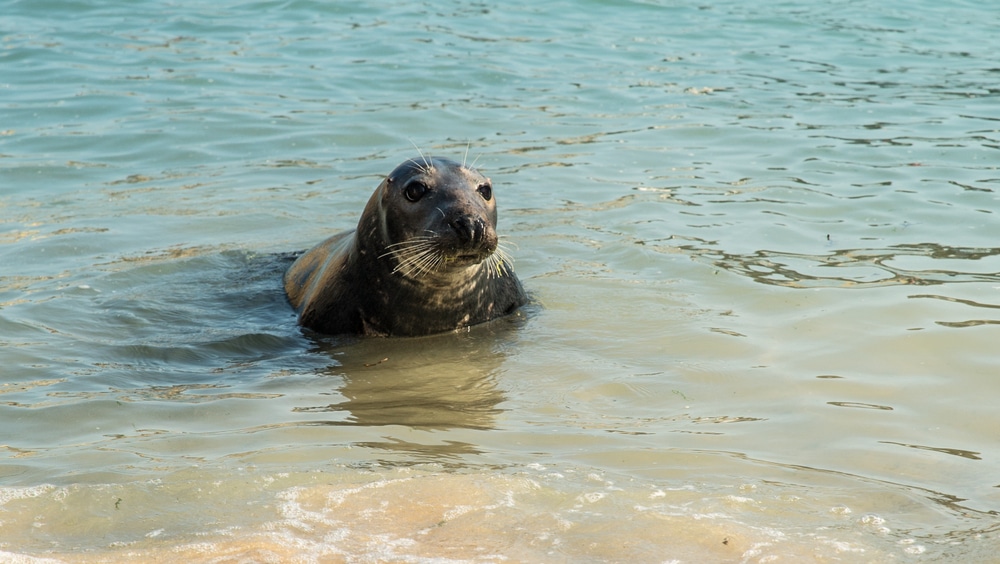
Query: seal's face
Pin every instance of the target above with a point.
(438, 216)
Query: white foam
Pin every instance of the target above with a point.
(11, 494)
(592, 497)
(12, 558)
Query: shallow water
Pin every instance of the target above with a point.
(760, 239)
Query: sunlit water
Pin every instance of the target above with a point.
(760, 239)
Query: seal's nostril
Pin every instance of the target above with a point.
(467, 229)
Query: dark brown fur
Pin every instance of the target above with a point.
(413, 266)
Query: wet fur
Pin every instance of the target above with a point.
(406, 270)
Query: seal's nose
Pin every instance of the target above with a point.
(469, 230)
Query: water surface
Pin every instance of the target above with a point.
(760, 240)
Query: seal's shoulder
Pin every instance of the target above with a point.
(304, 277)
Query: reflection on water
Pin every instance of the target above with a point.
(440, 382)
(850, 268)
(859, 405)
(952, 451)
(188, 393)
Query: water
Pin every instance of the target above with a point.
(760, 239)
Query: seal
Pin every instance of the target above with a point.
(425, 258)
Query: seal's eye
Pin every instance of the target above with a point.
(415, 190)
(486, 191)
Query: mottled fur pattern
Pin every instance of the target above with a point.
(425, 258)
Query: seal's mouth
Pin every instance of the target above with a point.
(465, 259)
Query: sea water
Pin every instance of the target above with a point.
(760, 239)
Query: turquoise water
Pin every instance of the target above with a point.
(760, 238)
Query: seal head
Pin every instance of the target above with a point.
(425, 258)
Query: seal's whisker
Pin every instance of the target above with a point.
(428, 262)
(415, 256)
(421, 167)
(409, 265)
(409, 243)
(419, 264)
(499, 263)
(415, 262)
(412, 241)
(408, 248)
(426, 169)
(404, 259)
(506, 243)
